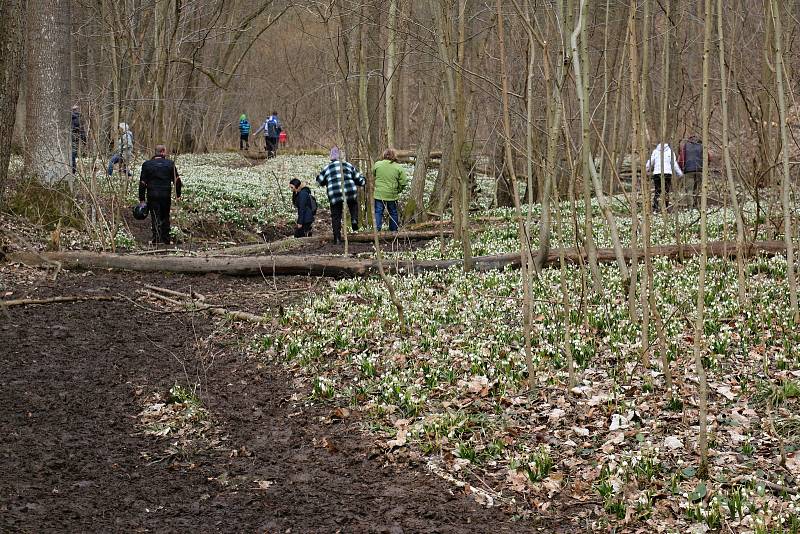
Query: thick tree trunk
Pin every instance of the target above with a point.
(10, 71)
(47, 143)
(339, 266)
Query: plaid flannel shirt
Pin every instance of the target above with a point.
(341, 179)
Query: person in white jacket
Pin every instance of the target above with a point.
(662, 161)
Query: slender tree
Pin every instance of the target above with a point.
(786, 181)
(702, 439)
(726, 159)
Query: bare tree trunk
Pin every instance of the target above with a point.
(702, 438)
(423, 157)
(726, 157)
(11, 61)
(391, 70)
(586, 163)
(636, 156)
(524, 244)
(451, 51)
(47, 147)
(786, 182)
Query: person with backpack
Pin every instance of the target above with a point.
(690, 159)
(341, 180)
(124, 153)
(155, 186)
(390, 181)
(272, 128)
(78, 136)
(662, 163)
(244, 132)
(306, 206)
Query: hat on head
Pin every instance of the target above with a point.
(334, 153)
(242, 117)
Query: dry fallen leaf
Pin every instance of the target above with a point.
(263, 484)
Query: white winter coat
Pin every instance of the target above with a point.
(670, 163)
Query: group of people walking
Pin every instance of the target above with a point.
(341, 180)
(123, 152)
(663, 163)
(273, 134)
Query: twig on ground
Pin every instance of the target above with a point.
(192, 304)
(51, 300)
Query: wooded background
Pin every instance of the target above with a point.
(376, 73)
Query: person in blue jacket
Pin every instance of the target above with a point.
(304, 201)
(244, 133)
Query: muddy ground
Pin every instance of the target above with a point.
(74, 458)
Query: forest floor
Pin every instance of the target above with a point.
(93, 441)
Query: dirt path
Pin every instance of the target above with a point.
(74, 458)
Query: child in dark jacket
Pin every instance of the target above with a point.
(303, 202)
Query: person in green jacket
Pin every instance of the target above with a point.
(390, 180)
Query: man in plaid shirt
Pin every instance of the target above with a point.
(341, 180)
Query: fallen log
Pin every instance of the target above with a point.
(295, 243)
(344, 266)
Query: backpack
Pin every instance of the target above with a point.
(272, 130)
(313, 200)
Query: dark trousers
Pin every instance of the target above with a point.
(272, 146)
(391, 207)
(159, 217)
(337, 210)
(304, 231)
(244, 141)
(657, 188)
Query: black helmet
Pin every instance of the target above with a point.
(140, 212)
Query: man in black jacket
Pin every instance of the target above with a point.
(302, 200)
(158, 175)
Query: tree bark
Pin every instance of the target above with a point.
(47, 144)
(11, 61)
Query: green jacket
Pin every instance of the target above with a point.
(390, 180)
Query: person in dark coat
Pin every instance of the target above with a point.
(78, 136)
(302, 200)
(690, 160)
(155, 185)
